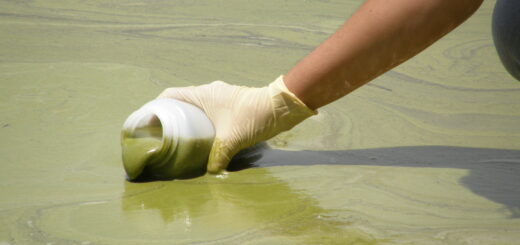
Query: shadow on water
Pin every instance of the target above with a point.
(493, 173)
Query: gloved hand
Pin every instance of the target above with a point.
(242, 116)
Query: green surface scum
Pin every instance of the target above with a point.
(426, 154)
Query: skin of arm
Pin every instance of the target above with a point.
(380, 35)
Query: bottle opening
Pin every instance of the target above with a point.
(152, 129)
(140, 148)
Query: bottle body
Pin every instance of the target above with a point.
(166, 139)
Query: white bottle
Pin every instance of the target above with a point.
(166, 139)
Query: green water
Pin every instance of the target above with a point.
(143, 157)
(140, 157)
(72, 71)
(190, 160)
(137, 153)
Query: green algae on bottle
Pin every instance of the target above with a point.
(166, 139)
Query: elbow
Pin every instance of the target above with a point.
(473, 5)
(467, 7)
(460, 10)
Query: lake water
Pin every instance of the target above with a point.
(428, 153)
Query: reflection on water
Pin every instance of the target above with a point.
(249, 205)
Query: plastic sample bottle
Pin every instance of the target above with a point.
(166, 139)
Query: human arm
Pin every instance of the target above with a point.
(380, 35)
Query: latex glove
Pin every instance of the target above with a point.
(242, 116)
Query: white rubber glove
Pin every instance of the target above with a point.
(242, 116)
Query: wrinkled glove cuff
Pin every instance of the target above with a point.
(288, 109)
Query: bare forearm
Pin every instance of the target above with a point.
(380, 35)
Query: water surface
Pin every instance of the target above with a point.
(426, 154)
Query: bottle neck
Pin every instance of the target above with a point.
(155, 119)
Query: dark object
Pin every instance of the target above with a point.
(506, 34)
